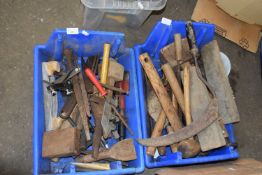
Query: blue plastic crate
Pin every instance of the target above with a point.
(84, 44)
(160, 36)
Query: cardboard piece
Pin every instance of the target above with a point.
(247, 11)
(238, 167)
(245, 35)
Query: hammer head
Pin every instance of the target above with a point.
(189, 148)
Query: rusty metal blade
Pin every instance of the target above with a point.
(97, 109)
(191, 130)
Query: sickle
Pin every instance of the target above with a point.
(191, 130)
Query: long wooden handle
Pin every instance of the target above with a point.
(89, 157)
(178, 46)
(187, 113)
(175, 145)
(157, 131)
(94, 166)
(161, 150)
(161, 92)
(105, 64)
(173, 82)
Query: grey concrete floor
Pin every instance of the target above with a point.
(26, 23)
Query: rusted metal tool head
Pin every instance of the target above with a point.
(191, 130)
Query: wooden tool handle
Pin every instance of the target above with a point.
(157, 131)
(187, 113)
(94, 166)
(175, 145)
(161, 92)
(51, 67)
(174, 102)
(105, 63)
(169, 128)
(161, 150)
(178, 46)
(173, 82)
(89, 158)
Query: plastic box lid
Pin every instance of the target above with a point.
(125, 4)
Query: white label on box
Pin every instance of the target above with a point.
(85, 33)
(140, 5)
(166, 21)
(72, 31)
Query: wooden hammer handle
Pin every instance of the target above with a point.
(174, 84)
(175, 145)
(157, 131)
(178, 46)
(161, 92)
(187, 113)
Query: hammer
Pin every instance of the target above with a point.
(190, 147)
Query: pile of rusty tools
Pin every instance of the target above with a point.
(92, 125)
(191, 102)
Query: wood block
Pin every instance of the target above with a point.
(211, 137)
(216, 77)
(61, 143)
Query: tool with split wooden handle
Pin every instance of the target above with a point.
(190, 147)
(105, 64)
(123, 150)
(161, 92)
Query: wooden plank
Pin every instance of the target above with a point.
(212, 137)
(61, 143)
(238, 167)
(216, 77)
(50, 101)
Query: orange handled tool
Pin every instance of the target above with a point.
(93, 79)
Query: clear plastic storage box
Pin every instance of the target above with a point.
(127, 12)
